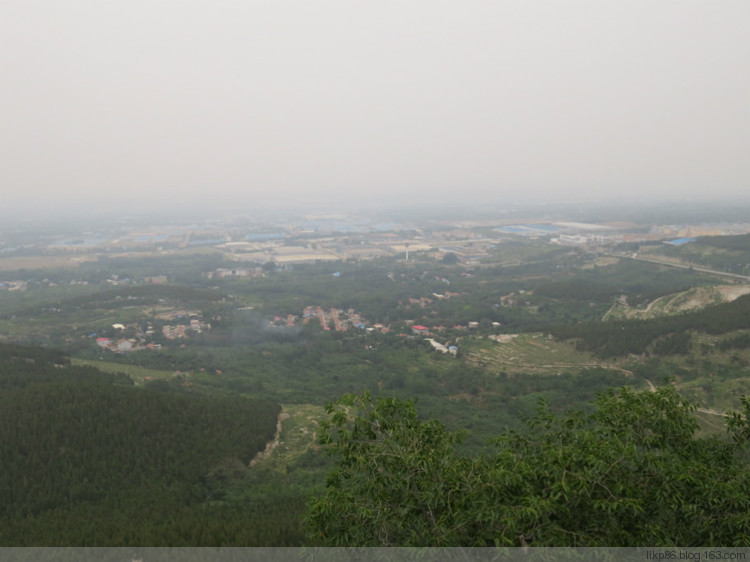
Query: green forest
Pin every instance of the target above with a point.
(629, 473)
(88, 459)
(568, 413)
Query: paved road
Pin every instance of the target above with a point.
(682, 266)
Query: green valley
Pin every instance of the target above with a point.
(181, 397)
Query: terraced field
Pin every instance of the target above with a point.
(532, 354)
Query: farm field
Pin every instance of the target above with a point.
(11, 264)
(533, 353)
(140, 375)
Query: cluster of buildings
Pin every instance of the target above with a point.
(420, 330)
(285, 241)
(13, 285)
(124, 339)
(236, 273)
(423, 302)
(338, 320)
(195, 325)
(123, 345)
(333, 319)
(692, 231)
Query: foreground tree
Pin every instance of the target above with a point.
(393, 477)
(631, 473)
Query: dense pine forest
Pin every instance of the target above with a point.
(87, 459)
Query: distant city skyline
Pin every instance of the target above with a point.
(198, 105)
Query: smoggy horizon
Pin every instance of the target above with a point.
(198, 105)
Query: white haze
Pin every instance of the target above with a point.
(239, 104)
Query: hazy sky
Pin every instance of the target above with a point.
(213, 102)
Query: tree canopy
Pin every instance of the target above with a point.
(632, 472)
